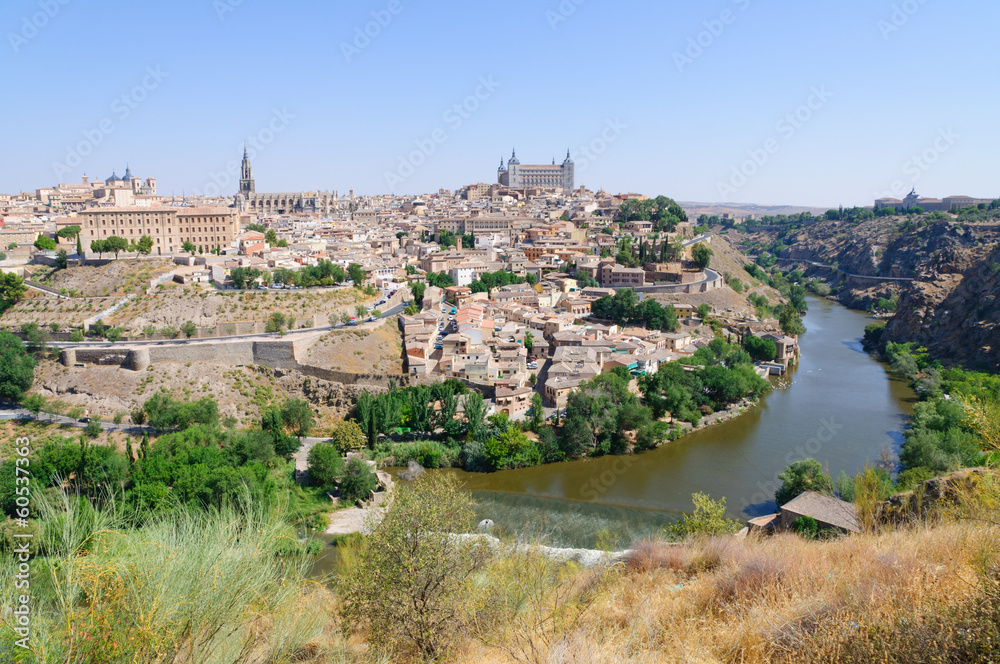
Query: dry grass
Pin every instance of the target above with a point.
(913, 595)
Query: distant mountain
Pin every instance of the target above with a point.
(695, 210)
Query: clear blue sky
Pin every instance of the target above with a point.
(920, 81)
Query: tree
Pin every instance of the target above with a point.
(703, 311)
(701, 255)
(417, 290)
(115, 334)
(34, 403)
(79, 246)
(790, 322)
(189, 247)
(189, 329)
(44, 243)
(475, 413)
(145, 245)
(409, 585)
(357, 274)
(411, 310)
(358, 481)
(297, 415)
(802, 476)
(61, 259)
(116, 244)
(276, 322)
(244, 277)
(325, 465)
(169, 332)
(100, 246)
(365, 413)
(529, 341)
(17, 367)
(536, 416)
(360, 311)
(348, 436)
(760, 349)
(69, 231)
(12, 289)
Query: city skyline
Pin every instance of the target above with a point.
(863, 103)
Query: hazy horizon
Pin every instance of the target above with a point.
(735, 100)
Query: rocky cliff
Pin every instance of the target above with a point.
(951, 306)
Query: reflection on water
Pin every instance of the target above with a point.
(840, 407)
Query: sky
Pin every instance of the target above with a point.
(822, 103)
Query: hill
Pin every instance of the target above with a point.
(938, 276)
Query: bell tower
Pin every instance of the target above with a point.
(246, 175)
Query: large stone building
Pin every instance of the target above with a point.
(248, 200)
(947, 204)
(517, 176)
(120, 192)
(169, 228)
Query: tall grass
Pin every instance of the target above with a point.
(188, 587)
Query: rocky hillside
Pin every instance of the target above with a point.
(948, 298)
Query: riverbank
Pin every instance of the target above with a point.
(842, 409)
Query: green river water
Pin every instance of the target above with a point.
(838, 405)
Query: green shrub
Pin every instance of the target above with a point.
(358, 482)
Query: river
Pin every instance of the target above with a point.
(837, 405)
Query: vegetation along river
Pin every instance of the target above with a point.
(838, 405)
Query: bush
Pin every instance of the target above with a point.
(358, 482)
(17, 367)
(806, 526)
(429, 454)
(94, 428)
(708, 518)
(325, 465)
(408, 586)
(802, 476)
(348, 437)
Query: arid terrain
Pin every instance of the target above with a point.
(952, 306)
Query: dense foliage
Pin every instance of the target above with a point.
(624, 308)
(665, 213)
(17, 367)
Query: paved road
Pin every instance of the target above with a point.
(9, 413)
(849, 274)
